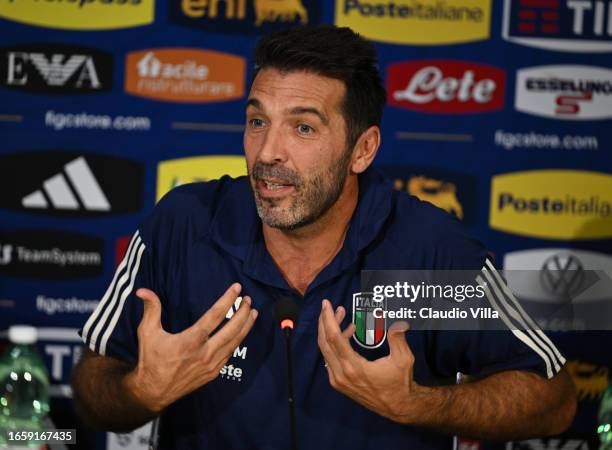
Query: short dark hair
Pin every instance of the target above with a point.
(333, 52)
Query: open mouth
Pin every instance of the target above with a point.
(268, 187)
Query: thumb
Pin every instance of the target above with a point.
(151, 317)
(398, 346)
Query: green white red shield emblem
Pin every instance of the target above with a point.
(370, 331)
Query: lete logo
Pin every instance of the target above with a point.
(446, 87)
(565, 92)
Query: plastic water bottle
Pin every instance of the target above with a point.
(604, 430)
(24, 387)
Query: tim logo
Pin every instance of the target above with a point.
(565, 92)
(569, 26)
(56, 69)
(243, 16)
(446, 87)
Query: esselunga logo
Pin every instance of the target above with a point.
(185, 75)
(445, 86)
(175, 172)
(82, 15)
(417, 22)
(553, 204)
(565, 92)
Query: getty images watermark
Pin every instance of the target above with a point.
(487, 299)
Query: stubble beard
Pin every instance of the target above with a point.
(313, 196)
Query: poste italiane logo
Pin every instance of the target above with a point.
(175, 172)
(553, 204)
(422, 22)
(80, 14)
(185, 75)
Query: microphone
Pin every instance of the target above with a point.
(286, 312)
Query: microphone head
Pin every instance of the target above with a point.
(286, 312)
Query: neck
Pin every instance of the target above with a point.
(302, 253)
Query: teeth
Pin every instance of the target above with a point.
(273, 186)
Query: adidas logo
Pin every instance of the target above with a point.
(65, 190)
(230, 312)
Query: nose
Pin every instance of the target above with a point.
(272, 147)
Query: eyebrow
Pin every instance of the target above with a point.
(298, 110)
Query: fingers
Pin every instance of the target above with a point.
(398, 347)
(151, 316)
(338, 343)
(233, 332)
(211, 319)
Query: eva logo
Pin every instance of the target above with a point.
(565, 92)
(175, 172)
(82, 15)
(445, 87)
(427, 22)
(244, 16)
(56, 69)
(567, 26)
(553, 204)
(185, 75)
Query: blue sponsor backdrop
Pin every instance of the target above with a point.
(87, 116)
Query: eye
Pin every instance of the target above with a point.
(305, 129)
(256, 123)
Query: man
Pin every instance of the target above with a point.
(216, 372)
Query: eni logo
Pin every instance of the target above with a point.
(84, 15)
(243, 16)
(442, 194)
(590, 380)
(283, 10)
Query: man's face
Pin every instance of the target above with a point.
(295, 146)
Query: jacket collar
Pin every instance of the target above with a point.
(236, 228)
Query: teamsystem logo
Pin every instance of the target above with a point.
(417, 22)
(79, 14)
(244, 16)
(50, 255)
(553, 204)
(185, 75)
(568, 26)
(445, 86)
(56, 69)
(63, 183)
(565, 92)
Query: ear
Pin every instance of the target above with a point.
(365, 149)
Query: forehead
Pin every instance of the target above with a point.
(272, 87)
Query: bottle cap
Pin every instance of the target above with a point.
(22, 334)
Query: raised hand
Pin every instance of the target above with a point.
(383, 385)
(173, 365)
